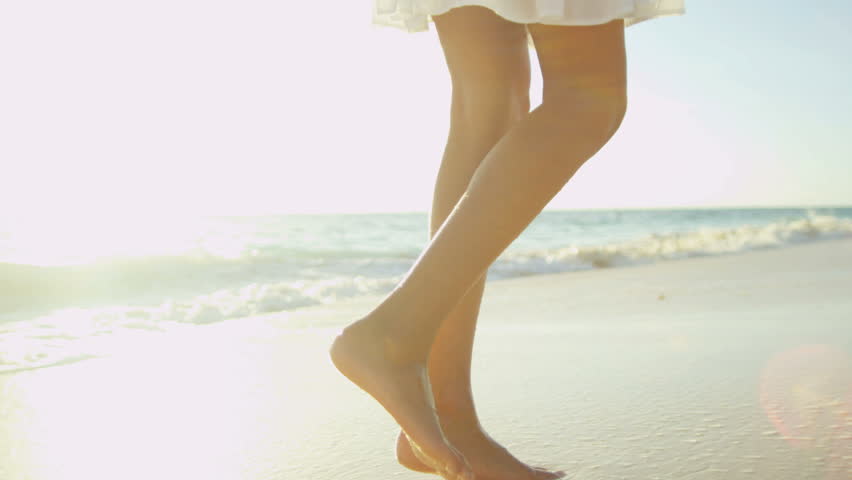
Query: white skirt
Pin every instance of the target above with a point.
(415, 15)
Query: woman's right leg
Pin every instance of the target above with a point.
(386, 352)
(488, 60)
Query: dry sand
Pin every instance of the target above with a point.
(734, 367)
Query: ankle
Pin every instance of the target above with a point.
(456, 410)
(391, 347)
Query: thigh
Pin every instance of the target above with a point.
(580, 57)
(485, 53)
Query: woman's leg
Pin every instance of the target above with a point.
(488, 60)
(386, 352)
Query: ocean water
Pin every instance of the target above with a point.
(76, 290)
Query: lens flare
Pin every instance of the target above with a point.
(806, 393)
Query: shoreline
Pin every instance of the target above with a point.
(726, 367)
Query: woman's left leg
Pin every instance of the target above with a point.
(489, 66)
(385, 353)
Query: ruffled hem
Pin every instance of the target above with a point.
(415, 15)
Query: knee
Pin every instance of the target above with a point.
(598, 110)
(490, 107)
(616, 107)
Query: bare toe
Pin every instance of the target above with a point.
(406, 457)
(498, 464)
(454, 469)
(404, 391)
(544, 474)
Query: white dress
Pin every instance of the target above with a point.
(415, 15)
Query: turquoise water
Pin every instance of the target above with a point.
(62, 289)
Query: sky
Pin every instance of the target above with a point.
(161, 107)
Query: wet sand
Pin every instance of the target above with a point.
(734, 367)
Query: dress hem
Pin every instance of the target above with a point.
(413, 22)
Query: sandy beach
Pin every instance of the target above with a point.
(729, 367)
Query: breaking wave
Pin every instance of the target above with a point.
(53, 315)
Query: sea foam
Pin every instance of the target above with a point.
(94, 326)
(661, 247)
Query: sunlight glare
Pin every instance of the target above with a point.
(81, 239)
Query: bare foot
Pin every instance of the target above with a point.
(488, 459)
(404, 391)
